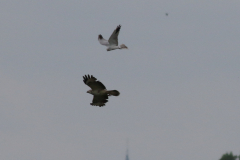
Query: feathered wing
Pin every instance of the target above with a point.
(102, 41)
(99, 100)
(93, 83)
(113, 40)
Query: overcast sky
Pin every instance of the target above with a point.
(179, 80)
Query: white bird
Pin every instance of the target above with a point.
(112, 42)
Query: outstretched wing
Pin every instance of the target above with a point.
(99, 100)
(102, 41)
(93, 83)
(113, 40)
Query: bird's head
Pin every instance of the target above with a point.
(90, 91)
(122, 46)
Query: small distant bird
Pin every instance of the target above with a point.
(112, 42)
(99, 91)
(166, 14)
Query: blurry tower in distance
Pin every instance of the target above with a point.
(127, 158)
(127, 155)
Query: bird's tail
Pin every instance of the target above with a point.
(122, 46)
(113, 93)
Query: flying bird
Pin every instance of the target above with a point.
(99, 91)
(112, 42)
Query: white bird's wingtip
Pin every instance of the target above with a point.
(100, 36)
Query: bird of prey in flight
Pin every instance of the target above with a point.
(99, 91)
(112, 42)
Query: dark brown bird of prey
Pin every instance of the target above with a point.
(99, 91)
(112, 42)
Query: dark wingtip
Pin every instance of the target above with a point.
(118, 28)
(100, 36)
(101, 105)
(85, 78)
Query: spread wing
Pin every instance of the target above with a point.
(113, 40)
(99, 100)
(93, 83)
(102, 41)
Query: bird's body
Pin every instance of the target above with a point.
(99, 91)
(112, 42)
(112, 48)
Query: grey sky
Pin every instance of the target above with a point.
(179, 79)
